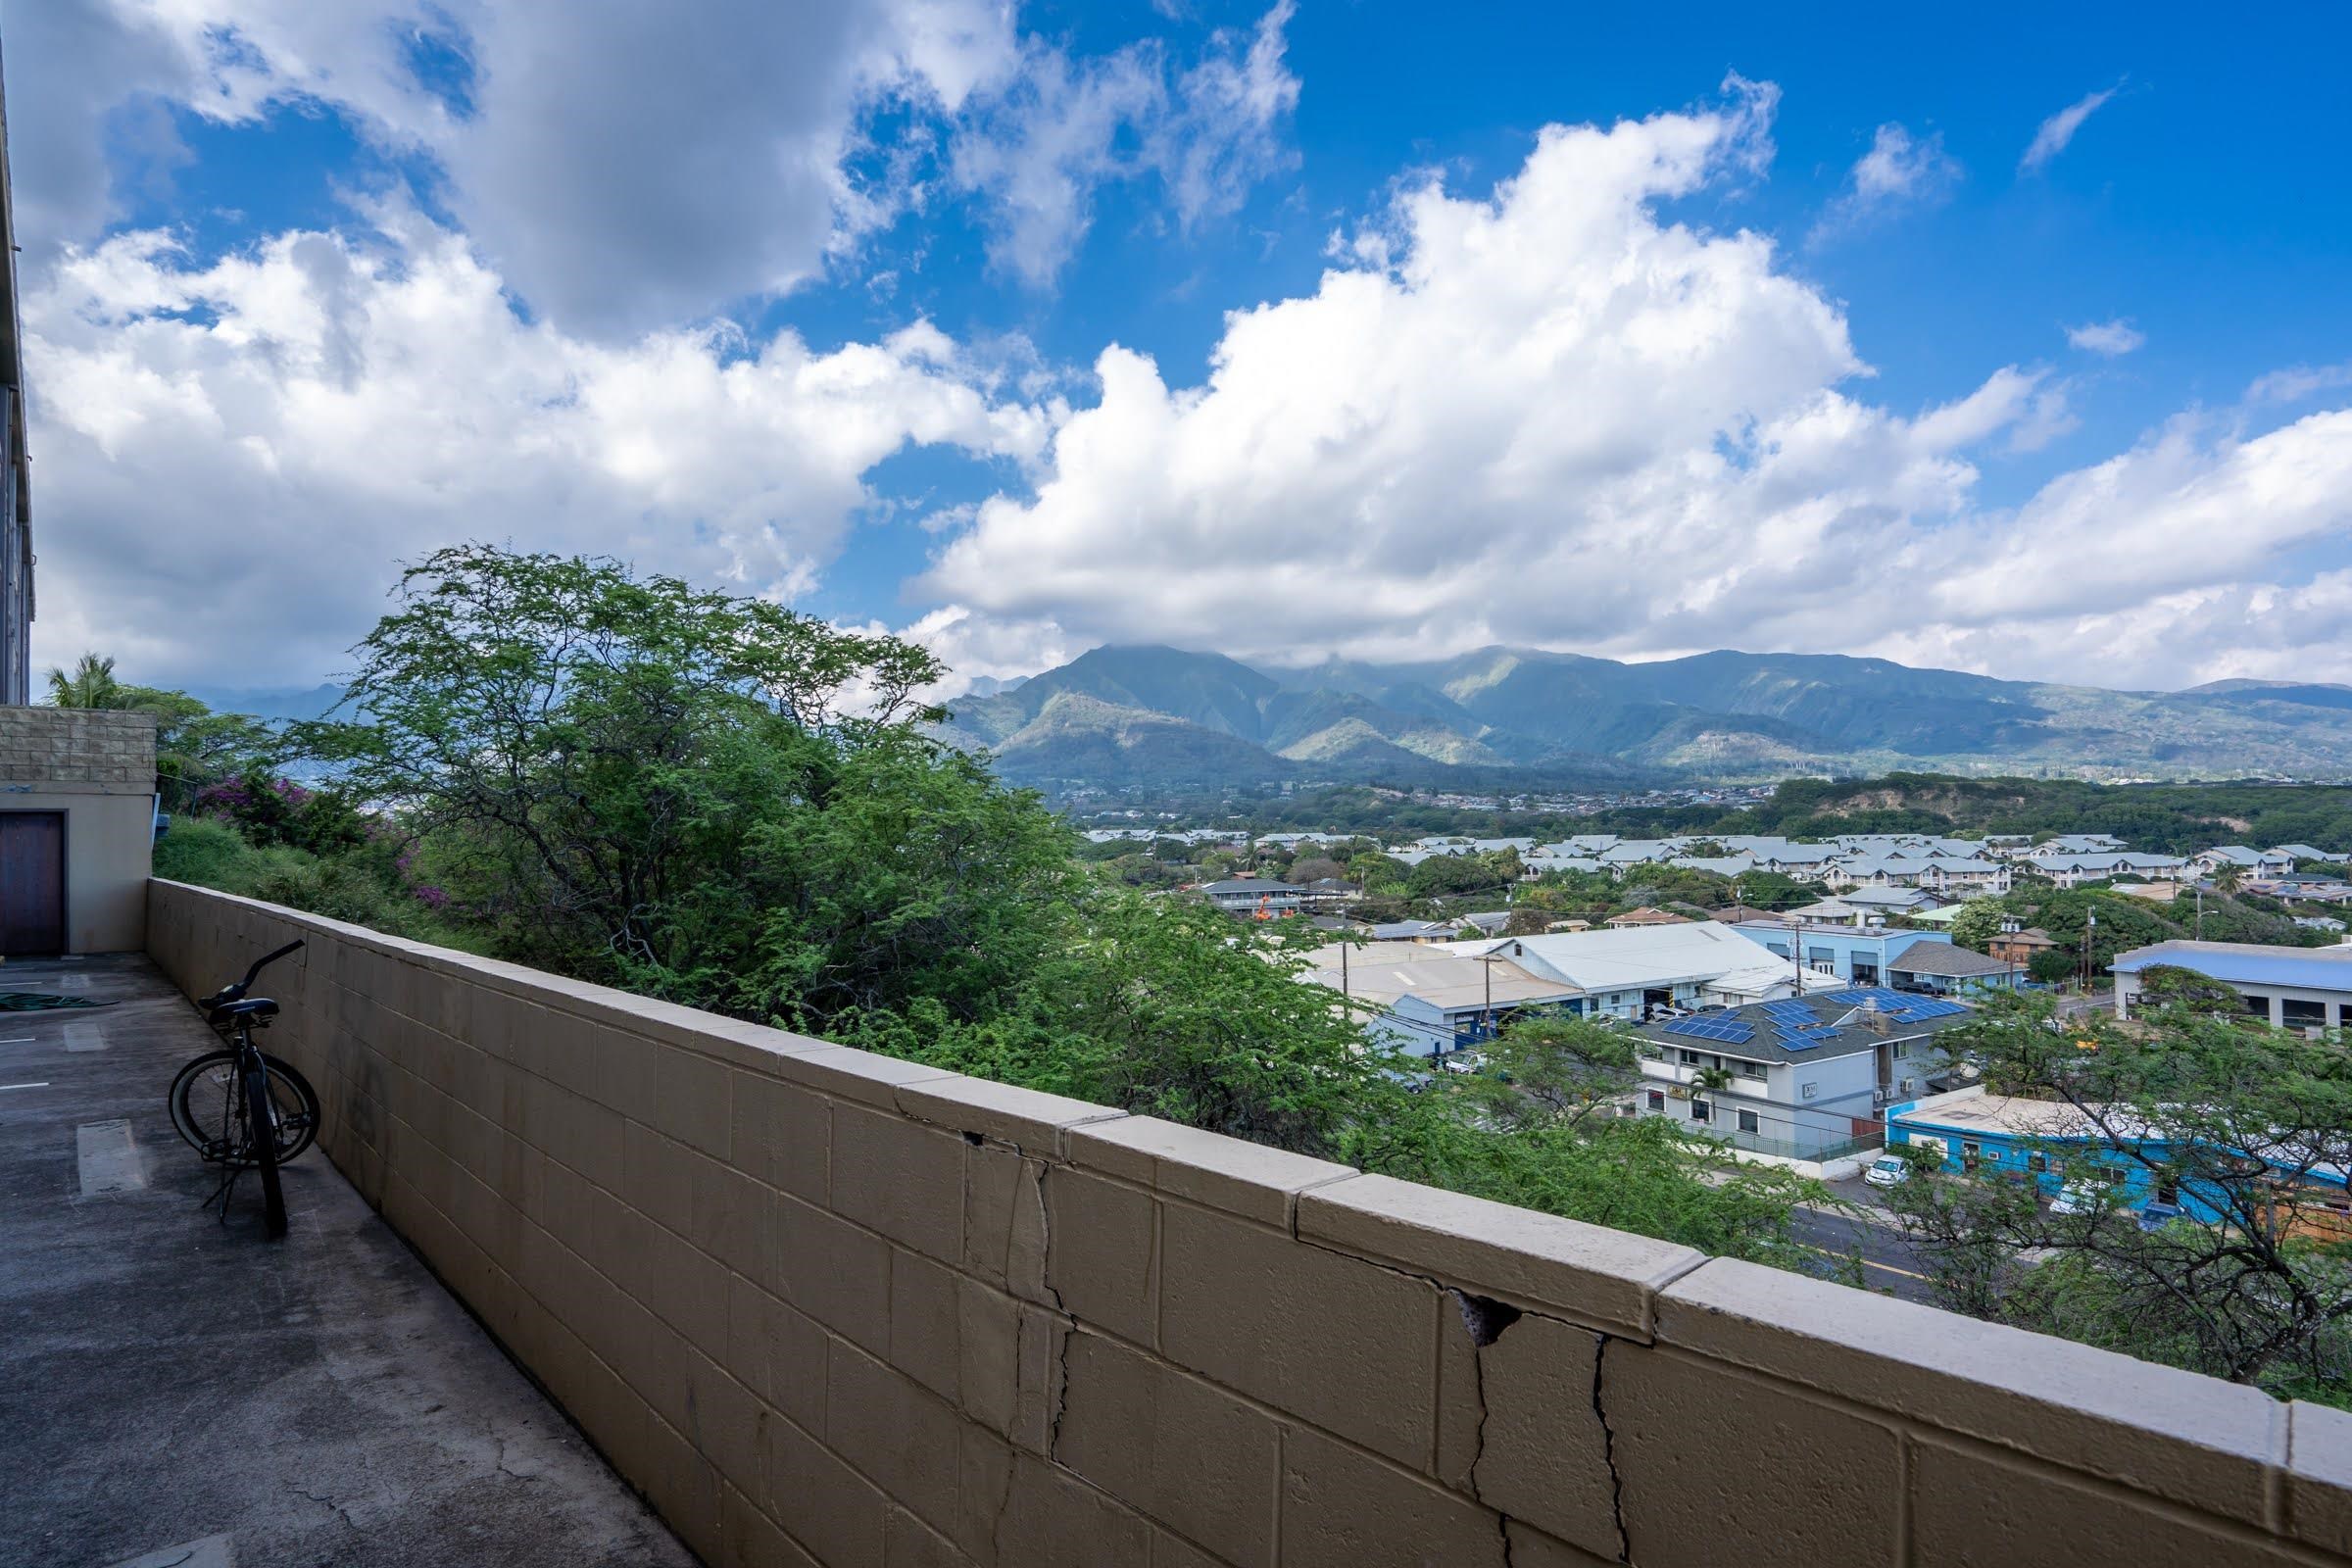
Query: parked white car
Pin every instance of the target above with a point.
(1888, 1170)
(2079, 1197)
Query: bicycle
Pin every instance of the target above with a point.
(241, 1108)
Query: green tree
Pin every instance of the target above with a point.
(2250, 1125)
(195, 748)
(1979, 922)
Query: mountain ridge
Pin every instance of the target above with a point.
(1723, 713)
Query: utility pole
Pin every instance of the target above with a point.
(2091, 929)
(2201, 911)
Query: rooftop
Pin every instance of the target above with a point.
(1821, 1025)
(1950, 959)
(2247, 963)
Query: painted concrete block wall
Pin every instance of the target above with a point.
(823, 1306)
(98, 768)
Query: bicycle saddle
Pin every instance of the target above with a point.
(259, 1009)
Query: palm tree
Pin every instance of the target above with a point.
(91, 685)
(1705, 1081)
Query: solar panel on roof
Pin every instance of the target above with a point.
(1730, 1031)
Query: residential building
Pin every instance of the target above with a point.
(1861, 955)
(2035, 1140)
(1413, 931)
(1645, 916)
(1964, 878)
(2303, 889)
(2019, 947)
(2226, 856)
(2294, 988)
(1432, 1001)
(16, 488)
(1866, 907)
(1254, 897)
(2304, 851)
(2081, 844)
(1807, 1075)
(1943, 968)
(2072, 868)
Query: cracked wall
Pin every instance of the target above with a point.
(824, 1307)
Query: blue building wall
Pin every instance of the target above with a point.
(2013, 1155)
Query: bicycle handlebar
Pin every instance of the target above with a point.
(235, 993)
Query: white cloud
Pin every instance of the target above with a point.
(627, 166)
(1063, 127)
(233, 455)
(2299, 381)
(2111, 338)
(2051, 136)
(1554, 417)
(1899, 170)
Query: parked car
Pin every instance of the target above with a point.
(2156, 1214)
(1888, 1170)
(2080, 1198)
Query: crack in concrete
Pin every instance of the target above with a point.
(1485, 1320)
(340, 1511)
(1608, 1448)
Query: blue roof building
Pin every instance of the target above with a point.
(2295, 988)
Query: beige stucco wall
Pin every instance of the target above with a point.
(98, 770)
(825, 1307)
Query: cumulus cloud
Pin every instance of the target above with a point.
(1554, 417)
(1064, 128)
(243, 448)
(2111, 338)
(627, 166)
(1899, 170)
(2051, 136)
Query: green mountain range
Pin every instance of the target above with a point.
(1119, 717)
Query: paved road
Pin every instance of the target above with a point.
(1888, 1261)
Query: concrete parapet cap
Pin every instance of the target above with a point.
(1603, 1278)
(2319, 1476)
(1035, 1121)
(2157, 1429)
(1249, 1180)
(864, 1076)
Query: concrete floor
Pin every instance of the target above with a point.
(167, 1380)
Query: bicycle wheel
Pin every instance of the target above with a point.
(262, 1138)
(206, 1108)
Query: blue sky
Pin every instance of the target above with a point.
(338, 290)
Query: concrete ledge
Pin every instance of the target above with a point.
(1582, 1272)
(2318, 1477)
(1030, 1119)
(1249, 1180)
(811, 1298)
(2162, 1431)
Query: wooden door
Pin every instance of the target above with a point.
(32, 882)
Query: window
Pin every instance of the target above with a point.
(1748, 1121)
(1750, 1069)
(1972, 1154)
(2299, 1014)
(2037, 1161)
(1657, 1099)
(2168, 1191)
(1698, 1110)
(1689, 1059)
(1808, 1090)
(2259, 1007)
(1902, 1048)
(2115, 1178)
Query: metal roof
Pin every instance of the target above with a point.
(2247, 963)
